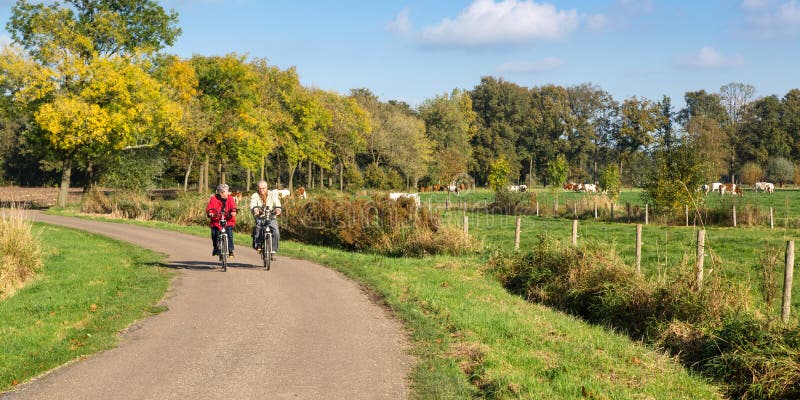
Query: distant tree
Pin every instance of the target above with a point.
(557, 172)
(610, 181)
(780, 170)
(736, 98)
(639, 119)
(761, 134)
(751, 173)
(501, 110)
(712, 143)
(498, 174)
(679, 170)
(450, 122)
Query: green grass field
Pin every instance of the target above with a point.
(741, 254)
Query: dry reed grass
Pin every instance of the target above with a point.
(21, 251)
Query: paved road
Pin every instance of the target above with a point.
(299, 331)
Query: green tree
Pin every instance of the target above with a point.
(87, 85)
(450, 123)
(679, 170)
(346, 133)
(639, 118)
(557, 172)
(780, 170)
(498, 174)
(501, 108)
(610, 181)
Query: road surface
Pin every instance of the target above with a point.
(299, 331)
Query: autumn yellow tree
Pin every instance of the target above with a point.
(83, 68)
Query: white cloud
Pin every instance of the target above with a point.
(486, 23)
(753, 4)
(598, 22)
(531, 67)
(710, 58)
(641, 6)
(401, 23)
(767, 20)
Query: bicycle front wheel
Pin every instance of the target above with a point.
(223, 254)
(266, 254)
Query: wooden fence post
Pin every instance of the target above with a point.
(646, 214)
(575, 209)
(734, 216)
(771, 219)
(517, 232)
(466, 225)
(537, 208)
(639, 248)
(555, 207)
(595, 209)
(686, 213)
(787, 281)
(574, 232)
(701, 239)
(612, 212)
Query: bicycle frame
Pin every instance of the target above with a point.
(222, 244)
(266, 232)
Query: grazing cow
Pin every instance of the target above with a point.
(283, 193)
(453, 188)
(715, 187)
(571, 186)
(764, 187)
(397, 195)
(703, 188)
(589, 187)
(237, 196)
(513, 188)
(731, 188)
(523, 188)
(300, 192)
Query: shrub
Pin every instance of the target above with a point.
(751, 173)
(378, 224)
(21, 252)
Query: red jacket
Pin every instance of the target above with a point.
(215, 206)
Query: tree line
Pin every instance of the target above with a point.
(88, 97)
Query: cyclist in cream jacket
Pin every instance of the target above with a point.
(269, 199)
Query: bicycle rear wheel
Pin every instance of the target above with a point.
(266, 253)
(222, 243)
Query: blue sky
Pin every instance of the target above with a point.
(411, 50)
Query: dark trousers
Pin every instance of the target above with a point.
(258, 237)
(215, 233)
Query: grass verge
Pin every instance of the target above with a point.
(91, 289)
(472, 339)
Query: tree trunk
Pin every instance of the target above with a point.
(248, 181)
(186, 176)
(63, 190)
(292, 169)
(205, 175)
(341, 177)
(530, 173)
(89, 177)
(321, 178)
(310, 177)
(263, 162)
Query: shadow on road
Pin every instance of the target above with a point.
(209, 265)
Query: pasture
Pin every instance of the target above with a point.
(751, 255)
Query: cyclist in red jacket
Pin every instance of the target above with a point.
(221, 204)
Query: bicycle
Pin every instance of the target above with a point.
(222, 243)
(266, 216)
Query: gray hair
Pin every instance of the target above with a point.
(222, 187)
